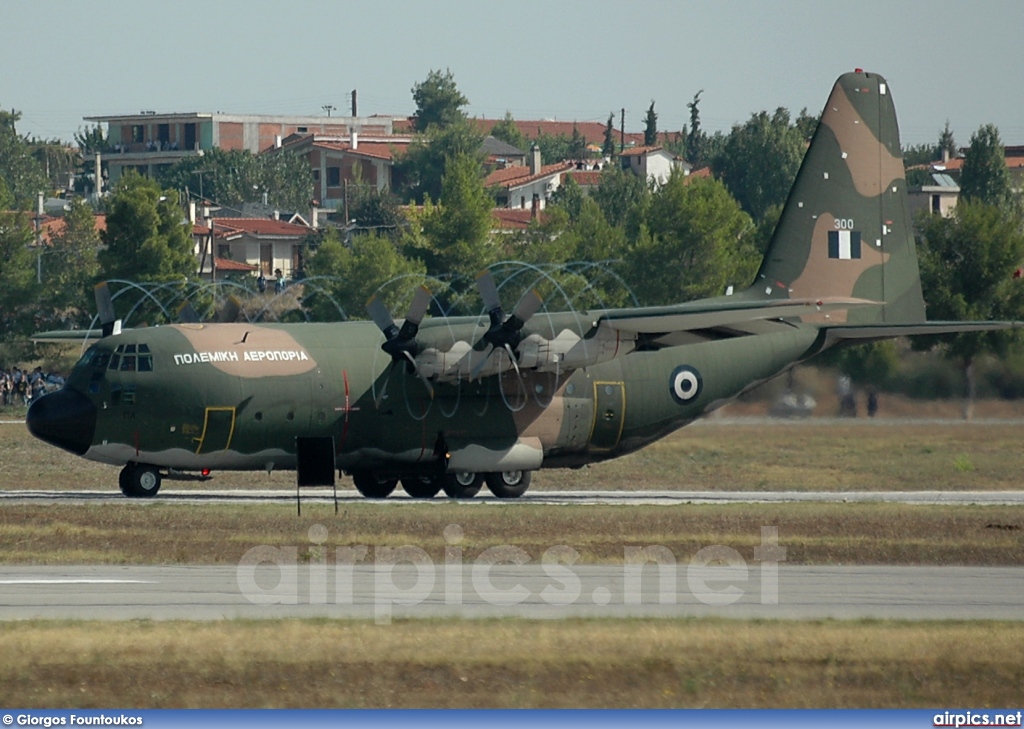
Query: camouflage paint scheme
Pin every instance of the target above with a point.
(595, 385)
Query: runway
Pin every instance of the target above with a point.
(540, 498)
(382, 592)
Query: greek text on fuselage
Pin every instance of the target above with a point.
(229, 356)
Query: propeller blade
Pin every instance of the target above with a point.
(417, 310)
(489, 293)
(475, 372)
(187, 315)
(378, 311)
(105, 308)
(416, 369)
(528, 305)
(513, 360)
(229, 311)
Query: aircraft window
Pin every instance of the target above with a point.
(115, 361)
(143, 349)
(146, 362)
(128, 362)
(129, 349)
(120, 348)
(100, 360)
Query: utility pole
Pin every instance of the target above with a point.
(39, 238)
(622, 132)
(328, 108)
(354, 106)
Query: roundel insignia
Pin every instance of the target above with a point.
(685, 384)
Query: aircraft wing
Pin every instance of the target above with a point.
(719, 313)
(66, 336)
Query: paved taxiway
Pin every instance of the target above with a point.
(407, 591)
(560, 498)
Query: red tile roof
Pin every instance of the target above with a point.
(51, 227)
(518, 176)
(588, 178)
(260, 227)
(515, 218)
(375, 150)
(226, 264)
(639, 151)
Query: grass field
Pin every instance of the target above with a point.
(511, 663)
(155, 533)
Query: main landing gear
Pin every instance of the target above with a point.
(139, 481)
(456, 484)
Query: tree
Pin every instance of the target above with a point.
(623, 198)
(457, 229)
(985, 177)
(233, 177)
(438, 101)
(807, 124)
(358, 272)
(969, 264)
(608, 148)
(17, 274)
(422, 168)
(23, 177)
(695, 151)
(760, 160)
(507, 131)
(946, 142)
(147, 237)
(577, 144)
(697, 243)
(376, 211)
(650, 127)
(70, 267)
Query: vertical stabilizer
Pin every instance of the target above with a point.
(845, 229)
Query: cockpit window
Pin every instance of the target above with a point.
(131, 358)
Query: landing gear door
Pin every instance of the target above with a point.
(218, 428)
(609, 415)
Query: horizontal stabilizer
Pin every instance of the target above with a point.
(888, 331)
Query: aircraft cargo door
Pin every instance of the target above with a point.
(218, 428)
(609, 415)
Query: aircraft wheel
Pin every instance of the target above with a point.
(508, 484)
(372, 486)
(138, 481)
(421, 487)
(462, 484)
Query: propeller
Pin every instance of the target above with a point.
(187, 314)
(400, 343)
(229, 311)
(105, 308)
(504, 333)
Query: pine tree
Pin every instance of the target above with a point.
(650, 127)
(985, 177)
(608, 148)
(695, 137)
(946, 142)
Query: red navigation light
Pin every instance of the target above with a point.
(858, 70)
(205, 472)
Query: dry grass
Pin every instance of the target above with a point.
(607, 663)
(712, 455)
(155, 533)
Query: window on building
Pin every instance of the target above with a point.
(333, 176)
(302, 130)
(224, 251)
(138, 133)
(936, 204)
(316, 175)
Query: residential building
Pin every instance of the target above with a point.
(149, 142)
(938, 198)
(529, 186)
(250, 246)
(654, 164)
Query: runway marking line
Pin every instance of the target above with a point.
(77, 582)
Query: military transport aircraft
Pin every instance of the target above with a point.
(453, 403)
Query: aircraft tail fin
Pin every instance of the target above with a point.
(845, 230)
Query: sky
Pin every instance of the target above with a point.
(552, 59)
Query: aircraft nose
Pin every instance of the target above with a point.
(65, 418)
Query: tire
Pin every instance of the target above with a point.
(139, 481)
(508, 484)
(372, 486)
(462, 484)
(421, 487)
